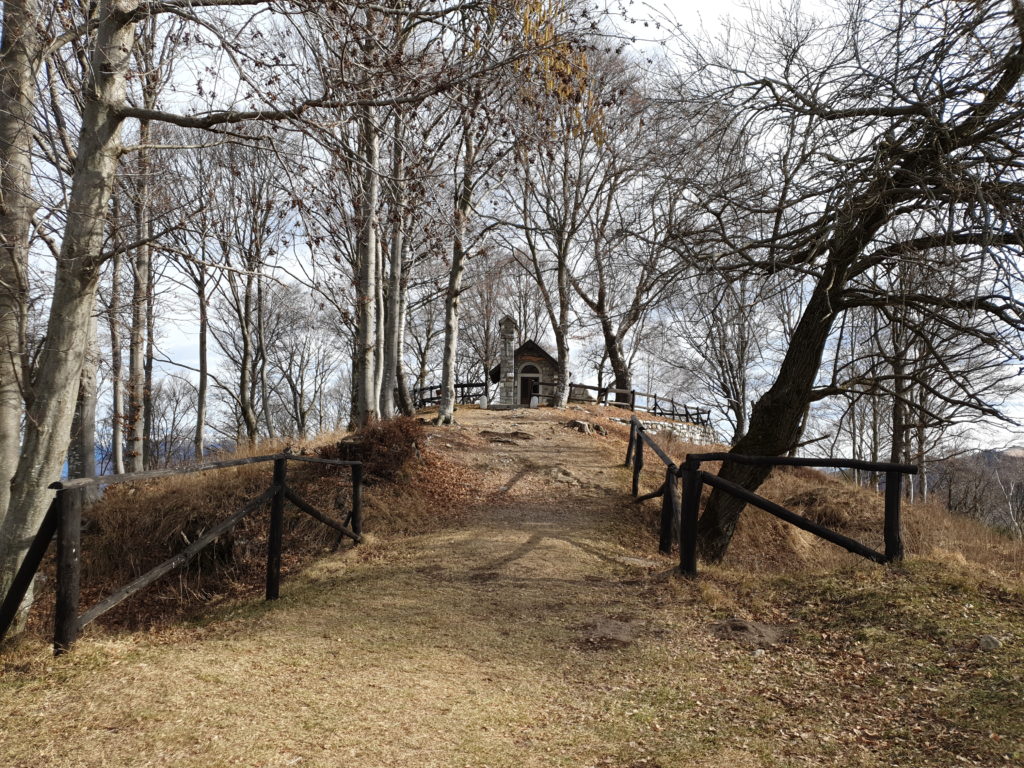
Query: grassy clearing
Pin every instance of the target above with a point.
(468, 643)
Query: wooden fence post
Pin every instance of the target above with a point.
(638, 462)
(632, 399)
(29, 566)
(276, 529)
(631, 446)
(893, 532)
(669, 510)
(69, 569)
(357, 499)
(688, 523)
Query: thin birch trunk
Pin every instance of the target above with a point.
(204, 327)
(395, 320)
(245, 379)
(135, 426)
(405, 403)
(453, 295)
(82, 451)
(116, 368)
(18, 57)
(147, 374)
(380, 327)
(261, 347)
(366, 286)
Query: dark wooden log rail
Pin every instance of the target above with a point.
(468, 393)
(679, 515)
(656, 404)
(63, 519)
(465, 394)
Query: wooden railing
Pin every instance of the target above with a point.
(469, 393)
(679, 513)
(64, 519)
(648, 402)
(657, 405)
(465, 394)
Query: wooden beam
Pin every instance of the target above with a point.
(69, 570)
(302, 504)
(795, 461)
(180, 559)
(29, 566)
(851, 545)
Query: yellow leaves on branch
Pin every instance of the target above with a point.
(558, 67)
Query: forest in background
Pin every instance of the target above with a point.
(809, 224)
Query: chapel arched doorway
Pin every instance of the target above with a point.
(529, 378)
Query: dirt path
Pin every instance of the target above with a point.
(537, 633)
(455, 648)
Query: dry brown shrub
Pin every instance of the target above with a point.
(384, 447)
(137, 526)
(933, 531)
(929, 530)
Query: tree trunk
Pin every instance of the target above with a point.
(246, 387)
(405, 402)
(357, 378)
(562, 333)
(116, 368)
(617, 359)
(19, 51)
(380, 327)
(204, 327)
(147, 374)
(365, 405)
(453, 295)
(776, 419)
(261, 356)
(135, 426)
(82, 451)
(396, 284)
(59, 367)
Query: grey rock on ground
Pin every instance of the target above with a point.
(748, 632)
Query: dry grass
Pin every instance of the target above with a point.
(467, 644)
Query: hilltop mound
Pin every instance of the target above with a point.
(439, 482)
(508, 607)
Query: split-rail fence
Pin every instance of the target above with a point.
(629, 399)
(679, 512)
(63, 520)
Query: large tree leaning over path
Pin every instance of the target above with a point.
(909, 120)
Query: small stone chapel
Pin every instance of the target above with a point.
(523, 371)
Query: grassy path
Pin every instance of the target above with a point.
(475, 646)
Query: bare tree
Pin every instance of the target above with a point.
(887, 130)
(723, 330)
